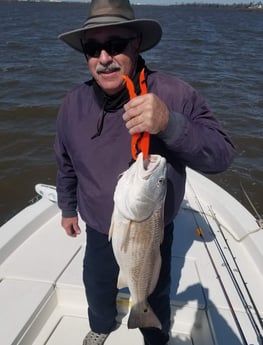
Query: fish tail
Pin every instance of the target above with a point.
(143, 318)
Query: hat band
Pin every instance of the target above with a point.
(107, 19)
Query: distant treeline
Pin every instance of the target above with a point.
(249, 5)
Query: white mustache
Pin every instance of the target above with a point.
(113, 66)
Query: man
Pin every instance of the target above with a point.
(94, 128)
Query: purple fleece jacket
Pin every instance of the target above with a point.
(88, 168)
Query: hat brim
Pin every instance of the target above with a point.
(150, 29)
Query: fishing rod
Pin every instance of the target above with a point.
(258, 217)
(243, 281)
(241, 295)
(200, 234)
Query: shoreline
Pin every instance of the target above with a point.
(249, 5)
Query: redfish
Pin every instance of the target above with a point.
(136, 231)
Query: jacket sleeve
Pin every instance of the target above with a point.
(66, 177)
(195, 137)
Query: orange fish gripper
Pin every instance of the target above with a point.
(140, 141)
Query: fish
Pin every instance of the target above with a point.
(136, 232)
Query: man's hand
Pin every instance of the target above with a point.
(71, 226)
(146, 113)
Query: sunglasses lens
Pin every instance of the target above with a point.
(93, 48)
(117, 47)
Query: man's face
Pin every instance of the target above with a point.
(111, 53)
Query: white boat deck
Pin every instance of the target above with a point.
(42, 296)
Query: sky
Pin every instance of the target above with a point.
(168, 2)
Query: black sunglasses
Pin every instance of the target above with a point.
(113, 47)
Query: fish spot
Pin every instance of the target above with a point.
(160, 181)
(145, 310)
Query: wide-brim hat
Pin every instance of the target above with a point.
(115, 13)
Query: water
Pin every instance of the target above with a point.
(217, 50)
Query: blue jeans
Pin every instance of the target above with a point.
(100, 275)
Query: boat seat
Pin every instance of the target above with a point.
(40, 257)
(18, 312)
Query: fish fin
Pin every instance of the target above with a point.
(125, 228)
(143, 318)
(111, 229)
(121, 281)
